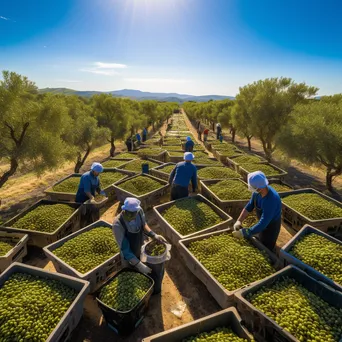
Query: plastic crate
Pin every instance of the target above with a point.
(228, 318)
(17, 252)
(231, 207)
(244, 173)
(235, 166)
(288, 259)
(158, 172)
(223, 158)
(147, 200)
(124, 322)
(95, 276)
(73, 315)
(223, 297)
(263, 327)
(133, 173)
(281, 182)
(175, 159)
(41, 239)
(174, 236)
(123, 160)
(206, 165)
(62, 196)
(160, 157)
(294, 220)
(109, 190)
(118, 155)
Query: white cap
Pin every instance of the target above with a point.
(188, 156)
(131, 204)
(256, 180)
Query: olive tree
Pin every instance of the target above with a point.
(314, 136)
(84, 133)
(112, 113)
(272, 103)
(30, 126)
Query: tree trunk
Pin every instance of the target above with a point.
(233, 134)
(268, 152)
(213, 126)
(112, 147)
(4, 178)
(249, 143)
(330, 176)
(80, 160)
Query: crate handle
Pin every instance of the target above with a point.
(18, 253)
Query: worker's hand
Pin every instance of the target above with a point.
(143, 268)
(103, 193)
(238, 234)
(237, 225)
(159, 238)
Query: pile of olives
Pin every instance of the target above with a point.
(45, 218)
(125, 291)
(140, 185)
(5, 246)
(136, 165)
(233, 262)
(155, 248)
(323, 255)
(217, 173)
(302, 313)
(220, 334)
(230, 190)
(88, 250)
(268, 170)
(31, 307)
(69, 185)
(190, 215)
(313, 206)
(110, 177)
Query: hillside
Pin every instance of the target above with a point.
(139, 95)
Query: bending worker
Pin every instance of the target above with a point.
(189, 145)
(267, 203)
(129, 228)
(180, 177)
(90, 184)
(88, 187)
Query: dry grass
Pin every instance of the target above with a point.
(22, 187)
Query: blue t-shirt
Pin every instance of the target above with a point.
(88, 183)
(138, 136)
(183, 173)
(271, 210)
(144, 131)
(188, 145)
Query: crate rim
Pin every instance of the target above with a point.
(281, 174)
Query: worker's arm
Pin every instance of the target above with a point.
(243, 215)
(87, 188)
(194, 180)
(172, 175)
(250, 205)
(265, 219)
(123, 243)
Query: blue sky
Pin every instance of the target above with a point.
(185, 46)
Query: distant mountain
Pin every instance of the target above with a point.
(138, 95)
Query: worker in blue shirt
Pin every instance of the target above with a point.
(180, 177)
(138, 137)
(189, 145)
(129, 228)
(144, 134)
(267, 203)
(90, 184)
